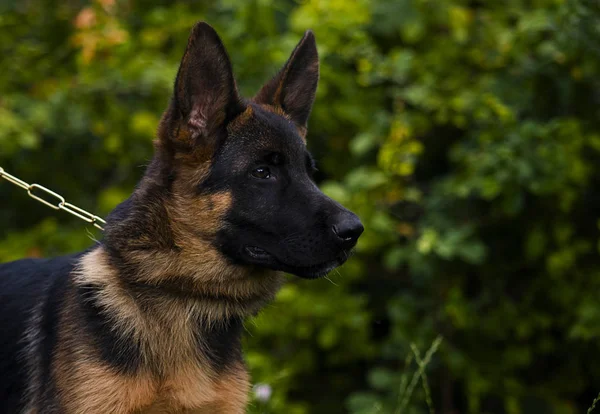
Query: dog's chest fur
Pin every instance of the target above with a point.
(93, 388)
(126, 348)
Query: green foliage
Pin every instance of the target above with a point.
(464, 134)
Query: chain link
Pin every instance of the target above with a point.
(53, 200)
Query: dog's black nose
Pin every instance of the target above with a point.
(348, 228)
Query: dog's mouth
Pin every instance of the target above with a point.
(258, 253)
(261, 257)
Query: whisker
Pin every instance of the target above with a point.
(330, 281)
(91, 235)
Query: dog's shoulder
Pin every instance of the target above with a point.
(27, 273)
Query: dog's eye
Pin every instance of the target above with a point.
(262, 173)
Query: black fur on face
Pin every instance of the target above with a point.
(278, 218)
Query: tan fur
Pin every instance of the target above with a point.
(185, 383)
(182, 381)
(302, 131)
(167, 332)
(278, 110)
(193, 222)
(165, 327)
(241, 119)
(191, 213)
(86, 387)
(188, 391)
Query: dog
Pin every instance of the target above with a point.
(149, 319)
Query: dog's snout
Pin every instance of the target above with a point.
(347, 228)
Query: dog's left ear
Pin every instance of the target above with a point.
(293, 88)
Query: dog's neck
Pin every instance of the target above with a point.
(171, 323)
(166, 286)
(151, 247)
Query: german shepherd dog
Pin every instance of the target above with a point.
(149, 319)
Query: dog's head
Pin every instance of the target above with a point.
(240, 170)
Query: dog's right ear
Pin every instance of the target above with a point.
(293, 88)
(205, 96)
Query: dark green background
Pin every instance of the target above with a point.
(464, 133)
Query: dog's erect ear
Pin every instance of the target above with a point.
(293, 88)
(205, 91)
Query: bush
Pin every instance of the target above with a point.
(464, 133)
